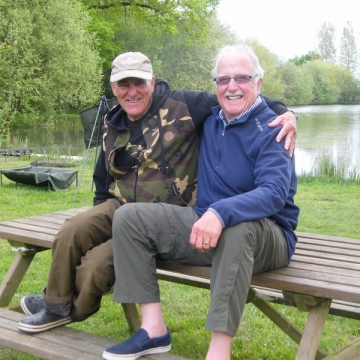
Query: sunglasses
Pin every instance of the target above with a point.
(239, 79)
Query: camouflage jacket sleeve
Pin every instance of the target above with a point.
(101, 180)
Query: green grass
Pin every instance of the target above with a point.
(328, 206)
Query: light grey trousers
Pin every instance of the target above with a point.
(144, 232)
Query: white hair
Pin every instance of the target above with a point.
(239, 49)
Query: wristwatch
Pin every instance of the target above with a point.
(295, 114)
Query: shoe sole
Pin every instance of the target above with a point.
(33, 329)
(24, 308)
(161, 349)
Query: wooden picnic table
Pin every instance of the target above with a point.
(323, 277)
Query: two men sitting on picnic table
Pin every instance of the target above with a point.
(152, 137)
(243, 223)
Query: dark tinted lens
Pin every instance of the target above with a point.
(242, 79)
(222, 80)
(239, 79)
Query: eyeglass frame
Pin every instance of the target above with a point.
(244, 79)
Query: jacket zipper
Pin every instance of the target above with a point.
(136, 170)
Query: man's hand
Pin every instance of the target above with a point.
(206, 232)
(288, 121)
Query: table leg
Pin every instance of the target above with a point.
(313, 330)
(14, 276)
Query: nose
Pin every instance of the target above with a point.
(132, 89)
(233, 84)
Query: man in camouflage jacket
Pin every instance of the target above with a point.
(149, 154)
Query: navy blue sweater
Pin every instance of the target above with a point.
(245, 175)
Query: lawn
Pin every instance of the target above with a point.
(328, 206)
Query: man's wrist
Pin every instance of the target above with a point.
(295, 114)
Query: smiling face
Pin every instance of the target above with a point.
(235, 98)
(134, 96)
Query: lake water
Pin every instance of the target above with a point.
(330, 131)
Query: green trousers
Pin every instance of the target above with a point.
(144, 232)
(82, 268)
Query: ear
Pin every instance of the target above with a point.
(259, 84)
(113, 88)
(152, 84)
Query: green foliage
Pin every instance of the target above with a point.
(325, 91)
(311, 55)
(272, 85)
(184, 64)
(298, 82)
(55, 56)
(326, 168)
(189, 65)
(122, 26)
(314, 81)
(49, 59)
(163, 16)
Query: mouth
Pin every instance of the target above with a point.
(234, 97)
(133, 101)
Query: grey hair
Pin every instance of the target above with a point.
(239, 49)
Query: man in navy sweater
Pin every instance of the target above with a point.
(242, 224)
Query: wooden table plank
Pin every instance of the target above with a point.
(335, 279)
(355, 252)
(322, 255)
(31, 227)
(302, 235)
(309, 287)
(28, 237)
(335, 268)
(40, 223)
(328, 244)
(326, 262)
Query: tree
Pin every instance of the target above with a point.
(183, 64)
(311, 55)
(148, 26)
(298, 82)
(272, 85)
(49, 61)
(163, 16)
(325, 90)
(346, 82)
(189, 65)
(326, 47)
(348, 50)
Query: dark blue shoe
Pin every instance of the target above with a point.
(32, 304)
(42, 321)
(138, 345)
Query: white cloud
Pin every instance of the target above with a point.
(288, 28)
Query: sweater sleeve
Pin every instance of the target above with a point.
(275, 105)
(199, 104)
(101, 180)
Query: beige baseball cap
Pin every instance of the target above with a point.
(131, 64)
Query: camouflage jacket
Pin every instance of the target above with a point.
(165, 169)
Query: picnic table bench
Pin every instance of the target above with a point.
(322, 278)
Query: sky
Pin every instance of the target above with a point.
(289, 28)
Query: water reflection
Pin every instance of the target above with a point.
(323, 131)
(331, 132)
(68, 136)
